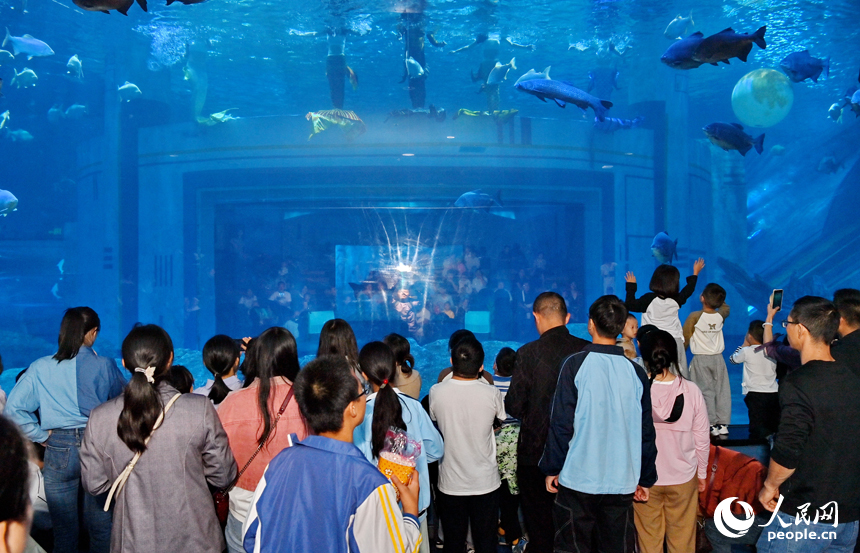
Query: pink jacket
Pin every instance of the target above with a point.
(683, 445)
(240, 417)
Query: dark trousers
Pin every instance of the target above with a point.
(763, 409)
(335, 71)
(537, 508)
(589, 522)
(509, 520)
(457, 512)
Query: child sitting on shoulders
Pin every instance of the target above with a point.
(759, 384)
(703, 331)
(660, 306)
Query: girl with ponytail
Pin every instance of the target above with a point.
(407, 379)
(64, 389)
(683, 445)
(260, 418)
(157, 452)
(389, 407)
(221, 357)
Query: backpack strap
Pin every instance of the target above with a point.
(711, 478)
(118, 484)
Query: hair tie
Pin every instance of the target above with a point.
(148, 372)
(384, 384)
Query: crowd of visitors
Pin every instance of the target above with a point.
(600, 445)
(430, 309)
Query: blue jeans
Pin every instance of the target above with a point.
(62, 474)
(839, 540)
(723, 544)
(233, 535)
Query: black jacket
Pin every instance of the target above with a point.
(533, 386)
(847, 351)
(817, 436)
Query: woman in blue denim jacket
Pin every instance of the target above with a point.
(63, 389)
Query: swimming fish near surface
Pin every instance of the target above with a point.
(128, 92)
(731, 136)
(105, 6)
(476, 199)
(728, 44)
(612, 124)
(76, 111)
(414, 69)
(800, 66)
(532, 74)
(8, 203)
(75, 67)
(20, 135)
(500, 72)
(678, 26)
(563, 93)
(25, 78)
(663, 248)
(680, 54)
(55, 114)
(32, 47)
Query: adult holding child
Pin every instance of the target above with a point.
(156, 452)
(64, 389)
(681, 425)
(259, 419)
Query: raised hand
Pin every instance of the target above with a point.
(630, 277)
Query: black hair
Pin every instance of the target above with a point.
(818, 315)
(551, 305)
(220, 354)
(467, 358)
(77, 321)
(660, 352)
(847, 301)
(180, 378)
(337, 338)
(458, 335)
(272, 353)
(145, 346)
(714, 295)
(14, 473)
(609, 316)
(665, 281)
(400, 348)
(378, 365)
(506, 360)
(756, 330)
(324, 388)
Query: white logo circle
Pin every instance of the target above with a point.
(726, 522)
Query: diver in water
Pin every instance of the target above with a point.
(336, 69)
(411, 28)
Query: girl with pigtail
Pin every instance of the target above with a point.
(388, 407)
(156, 452)
(221, 357)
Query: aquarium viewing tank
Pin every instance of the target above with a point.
(220, 167)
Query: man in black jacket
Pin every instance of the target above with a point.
(813, 485)
(530, 400)
(847, 348)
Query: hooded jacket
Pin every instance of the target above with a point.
(682, 445)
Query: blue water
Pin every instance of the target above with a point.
(169, 207)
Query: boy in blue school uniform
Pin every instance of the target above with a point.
(610, 460)
(322, 494)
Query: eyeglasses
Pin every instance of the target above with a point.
(361, 393)
(786, 323)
